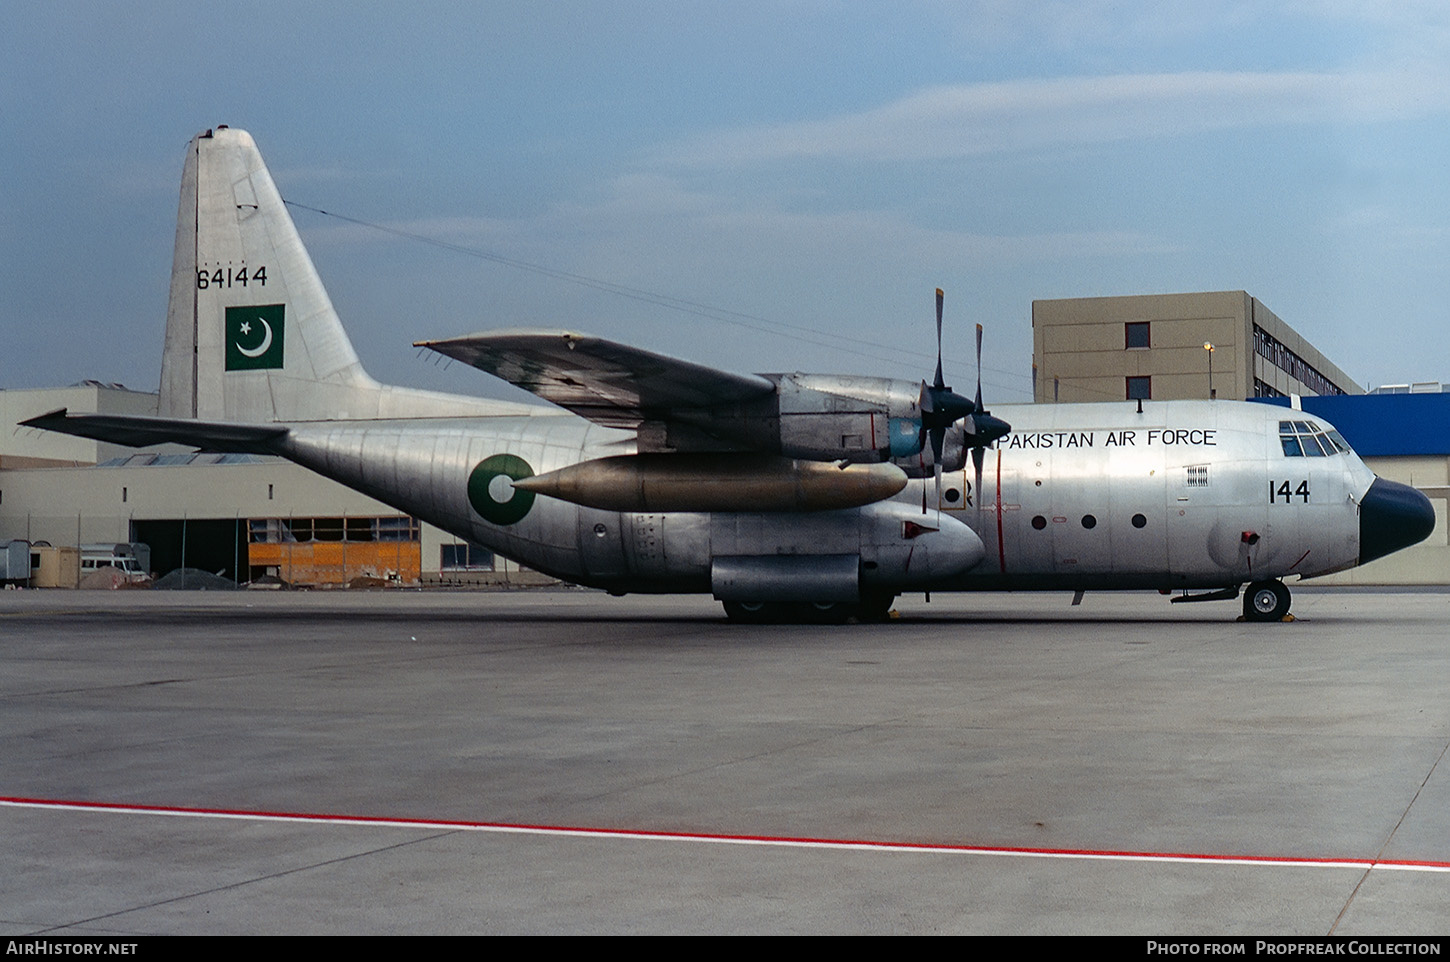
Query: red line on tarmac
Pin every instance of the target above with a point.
(777, 840)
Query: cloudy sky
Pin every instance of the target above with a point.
(762, 186)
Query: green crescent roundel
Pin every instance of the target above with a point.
(512, 508)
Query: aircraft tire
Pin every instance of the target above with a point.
(1266, 601)
(751, 612)
(827, 613)
(875, 606)
(800, 613)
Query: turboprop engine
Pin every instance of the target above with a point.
(826, 417)
(842, 418)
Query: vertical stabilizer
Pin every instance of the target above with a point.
(250, 332)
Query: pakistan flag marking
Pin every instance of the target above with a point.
(255, 337)
(491, 490)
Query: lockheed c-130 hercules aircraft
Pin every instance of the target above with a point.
(784, 495)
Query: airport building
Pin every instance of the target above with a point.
(1173, 346)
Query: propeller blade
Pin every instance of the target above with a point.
(939, 382)
(978, 454)
(923, 488)
(979, 367)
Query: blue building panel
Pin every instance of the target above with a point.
(1384, 425)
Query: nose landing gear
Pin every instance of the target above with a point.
(874, 606)
(1266, 601)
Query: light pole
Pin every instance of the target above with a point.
(1208, 346)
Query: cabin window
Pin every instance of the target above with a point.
(1136, 335)
(1140, 388)
(1305, 439)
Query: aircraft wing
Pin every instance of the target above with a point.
(136, 430)
(609, 383)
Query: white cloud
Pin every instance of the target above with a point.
(972, 119)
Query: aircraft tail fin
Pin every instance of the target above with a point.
(251, 334)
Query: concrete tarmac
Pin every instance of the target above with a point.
(567, 762)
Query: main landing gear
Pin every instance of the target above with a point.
(1266, 601)
(873, 606)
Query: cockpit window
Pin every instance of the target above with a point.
(1305, 439)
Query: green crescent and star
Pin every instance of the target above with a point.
(491, 492)
(255, 337)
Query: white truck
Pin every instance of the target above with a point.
(133, 559)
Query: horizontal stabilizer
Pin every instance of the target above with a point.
(609, 383)
(136, 430)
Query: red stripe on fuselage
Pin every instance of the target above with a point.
(1001, 548)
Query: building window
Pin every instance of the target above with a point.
(1263, 389)
(1135, 334)
(465, 557)
(302, 530)
(1140, 388)
(1269, 347)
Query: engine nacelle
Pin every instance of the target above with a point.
(825, 417)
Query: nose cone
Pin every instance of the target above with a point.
(1392, 516)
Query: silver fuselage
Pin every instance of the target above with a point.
(1184, 494)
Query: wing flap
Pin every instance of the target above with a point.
(607, 382)
(136, 430)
